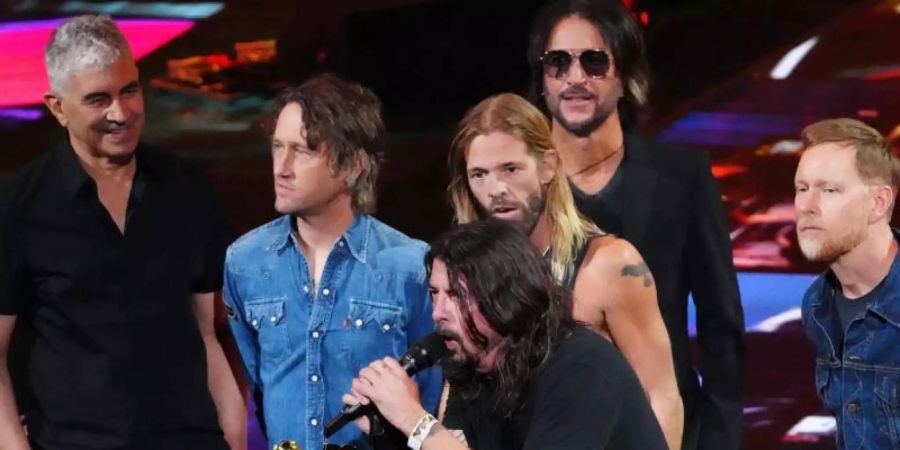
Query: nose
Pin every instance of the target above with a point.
(282, 164)
(576, 74)
(117, 112)
(438, 312)
(496, 187)
(806, 202)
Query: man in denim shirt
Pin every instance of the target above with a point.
(846, 185)
(317, 294)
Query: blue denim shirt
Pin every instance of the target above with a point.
(858, 379)
(303, 346)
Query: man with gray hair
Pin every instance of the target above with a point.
(111, 254)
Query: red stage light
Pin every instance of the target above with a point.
(23, 79)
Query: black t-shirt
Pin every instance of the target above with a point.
(605, 207)
(586, 397)
(849, 309)
(115, 358)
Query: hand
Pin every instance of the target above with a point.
(362, 422)
(386, 384)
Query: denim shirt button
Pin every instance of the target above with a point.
(854, 358)
(315, 334)
(314, 378)
(306, 288)
(358, 323)
(255, 323)
(313, 422)
(854, 407)
(325, 291)
(386, 327)
(273, 319)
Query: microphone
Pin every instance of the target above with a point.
(422, 355)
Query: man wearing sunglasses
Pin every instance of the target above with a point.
(589, 74)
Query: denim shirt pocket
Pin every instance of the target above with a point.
(375, 331)
(267, 317)
(887, 405)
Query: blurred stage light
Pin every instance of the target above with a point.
(791, 59)
(185, 10)
(23, 79)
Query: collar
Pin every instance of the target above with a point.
(886, 305)
(72, 176)
(356, 237)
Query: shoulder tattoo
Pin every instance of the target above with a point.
(638, 270)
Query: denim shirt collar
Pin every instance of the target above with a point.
(356, 237)
(886, 305)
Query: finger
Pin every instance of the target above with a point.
(350, 399)
(363, 424)
(369, 374)
(377, 366)
(393, 366)
(361, 390)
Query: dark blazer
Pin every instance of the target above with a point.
(673, 215)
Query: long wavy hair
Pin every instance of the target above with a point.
(513, 115)
(621, 33)
(492, 266)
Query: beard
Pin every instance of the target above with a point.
(531, 210)
(603, 108)
(459, 367)
(827, 249)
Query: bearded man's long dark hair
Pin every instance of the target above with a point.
(493, 266)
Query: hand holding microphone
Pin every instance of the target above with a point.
(386, 383)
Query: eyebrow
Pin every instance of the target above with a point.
(101, 94)
(131, 85)
(94, 96)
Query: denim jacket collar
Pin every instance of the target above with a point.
(356, 236)
(887, 305)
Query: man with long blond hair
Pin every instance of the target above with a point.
(503, 165)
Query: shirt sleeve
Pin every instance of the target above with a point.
(13, 281)
(216, 236)
(586, 407)
(720, 316)
(244, 334)
(568, 414)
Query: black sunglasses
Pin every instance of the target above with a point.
(594, 62)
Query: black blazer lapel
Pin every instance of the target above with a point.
(639, 189)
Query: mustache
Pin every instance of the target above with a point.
(449, 335)
(577, 90)
(111, 127)
(502, 202)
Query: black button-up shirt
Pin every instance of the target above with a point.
(116, 359)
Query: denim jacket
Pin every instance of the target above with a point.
(858, 379)
(302, 345)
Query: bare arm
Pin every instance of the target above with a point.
(11, 432)
(221, 381)
(615, 283)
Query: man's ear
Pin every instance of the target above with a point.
(360, 160)
(884, 197)
(549, 165)
(54, 104)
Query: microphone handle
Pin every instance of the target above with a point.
(348, 414)
(352, 412)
